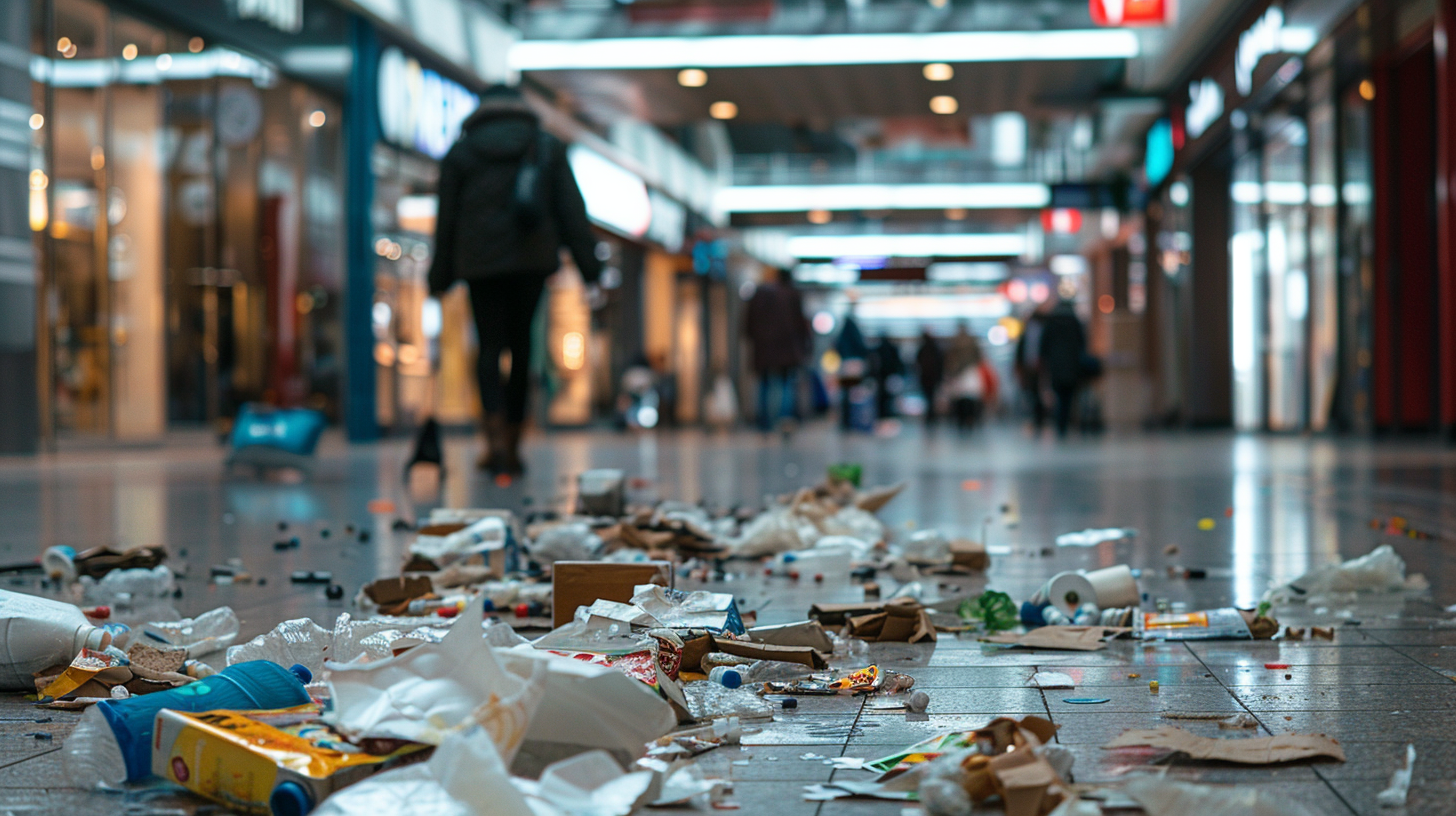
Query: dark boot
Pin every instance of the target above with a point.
(428, 450)
(495, 428)
(511, 463)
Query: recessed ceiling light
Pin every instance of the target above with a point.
(692, 77)
(956, 214)
(944, 104)
(195, 45)
(723, 110)
(317, 118)
(938, 72)
(820, 217)
(129, 51)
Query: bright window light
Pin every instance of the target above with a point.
(967, 272)
(907, 246)
(826, 49)
(1008, 139)
(614, 196)
(1068, 265)
(840, 197)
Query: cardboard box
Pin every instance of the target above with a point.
(969, 555)
(580, 583)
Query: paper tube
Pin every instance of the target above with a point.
(1069, 590)
(1114, 587)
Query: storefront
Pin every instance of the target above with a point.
(186, 206)
(1263, 223)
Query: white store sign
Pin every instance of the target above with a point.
(418, 108)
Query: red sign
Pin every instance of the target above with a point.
(1130, 12)
(1061, 221)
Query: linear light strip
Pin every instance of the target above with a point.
(907, 246)
(750, 51)
(802, 198)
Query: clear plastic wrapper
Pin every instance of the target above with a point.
(708, 700)
(770, 671)
(573, 541)
(202, 635)
(1380, 570)
(298, 641)
(927, 546)
(375, 638)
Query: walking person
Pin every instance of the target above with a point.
(1028, 366)
(889, 371)
(508, 203)
(778, 332)
(854, 354)
(1063, 349)
(965, 385)
(930, 368)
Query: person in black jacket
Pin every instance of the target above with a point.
(508, 203)
(1063, 347)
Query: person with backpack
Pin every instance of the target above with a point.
(508, 204)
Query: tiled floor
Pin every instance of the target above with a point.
(1280, 505)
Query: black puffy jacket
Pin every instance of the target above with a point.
(479, 231)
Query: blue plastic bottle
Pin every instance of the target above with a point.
(113, 742)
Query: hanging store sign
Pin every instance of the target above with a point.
(284, 15)
(1118, 13)
(1205, 106)
(615, 197)
(1268, 35)
(418, 108)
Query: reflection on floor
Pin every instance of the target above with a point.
(1278, 505)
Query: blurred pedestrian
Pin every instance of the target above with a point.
(778, 331)
(1028, 365)
(930, 367)
(854, 365)
(508, 203)
(889, 371)
(1063, 349)
(965, 384)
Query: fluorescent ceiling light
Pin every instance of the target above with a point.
(906, 246)
(1068, 265)
(967, 272)
(824, 49)
(802, 198)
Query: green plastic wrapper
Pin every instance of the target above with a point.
(994, 609)
(851, 472)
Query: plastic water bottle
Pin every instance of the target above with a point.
(38, 633)
(726, 677)
(112, 743)
(59, 563)
(774, 671)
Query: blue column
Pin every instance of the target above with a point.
(361, 131)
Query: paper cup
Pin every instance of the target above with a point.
(1114, 587)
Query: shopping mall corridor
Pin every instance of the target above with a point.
(1278, 506)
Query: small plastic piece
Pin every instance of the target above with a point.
(290, 799)
(1153, 686)
(334, 592)
(1273, 666)
(726, 676)
(790, 703)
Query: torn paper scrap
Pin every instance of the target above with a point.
(1073, 638)
(1052, 680)
(1400, 781)
(1249, 751)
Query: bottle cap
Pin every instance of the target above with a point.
(302, 673)
(290, 799)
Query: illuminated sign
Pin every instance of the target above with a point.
(614, 196)
(284, 15)
(418, 108)
(1267, 36)
(1158, 161)
(1205, 106)
(1129, 12)
(1061, 221)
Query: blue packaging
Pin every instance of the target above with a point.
(294, 430)
(251, 686)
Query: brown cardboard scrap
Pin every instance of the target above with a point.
(969, 555)
(1009, 766)
(580, 583)
(1072, 638)
(896, 622)
(802, 655)
(804, 633)
(836, 614)
(392, 595)
(1246, 751)
(875, 499)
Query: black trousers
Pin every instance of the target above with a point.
(504, 307)
(1066, 399)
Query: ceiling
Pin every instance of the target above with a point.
(820, 96)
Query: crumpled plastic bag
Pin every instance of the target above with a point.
(465, 777)
(927, 547)
(1380, 570)
(574, 541)
(588, 784)
(800, 524)
(1093, 537)
(436, 689)
(366, 639)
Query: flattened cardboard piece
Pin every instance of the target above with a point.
(694, 651)
(805, 633)
(1071, 638)
(802, 655)
(1245, 751)
(969, 555)
(580, 583)
(837, 614)
(875, 499)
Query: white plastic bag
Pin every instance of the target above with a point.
(1380, 570)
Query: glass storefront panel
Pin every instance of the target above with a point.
(1324, 302)
(191, 237)
(1357, 251)
(1286, 193)
(1246, 289)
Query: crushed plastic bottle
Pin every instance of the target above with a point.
(708, 700)
(38, 633)
(129, 588)
(773, 671)
(204, 634)
(298, 641)
(713, 660)
(112, 743)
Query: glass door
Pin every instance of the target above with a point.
(1286, 141)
